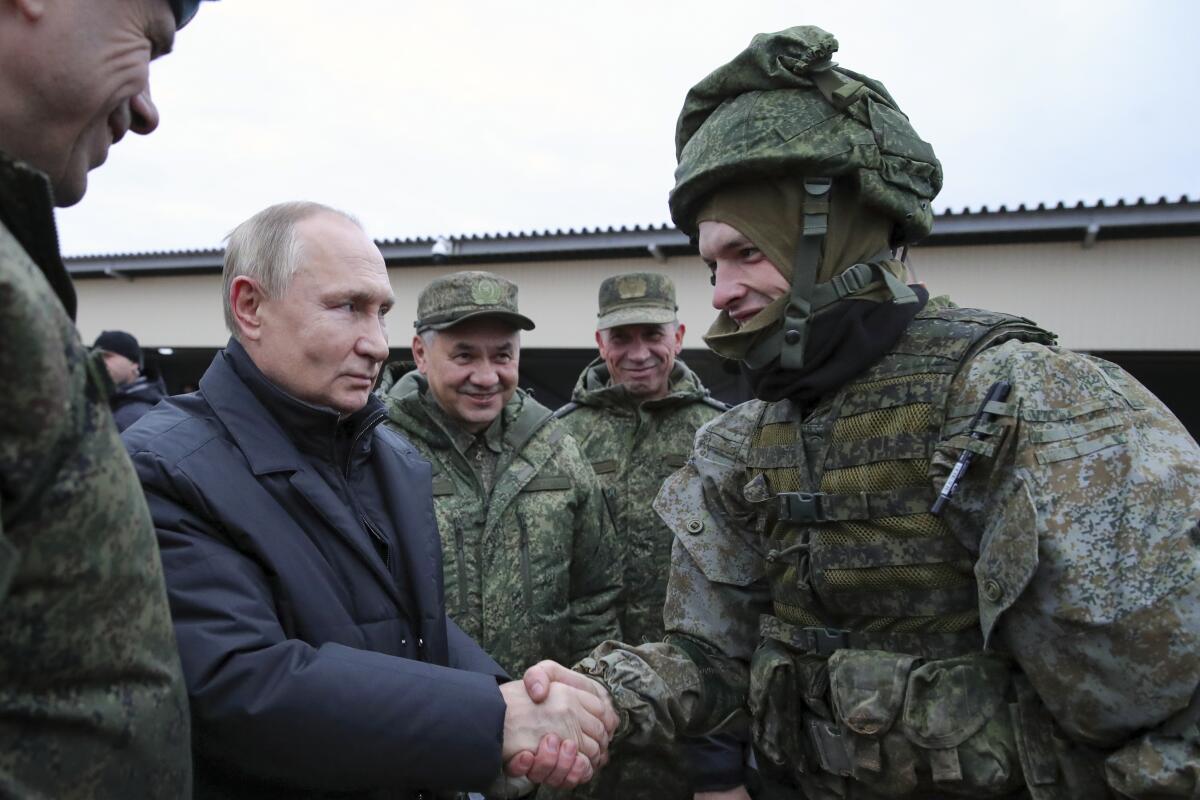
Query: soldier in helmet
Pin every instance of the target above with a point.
(1034, 631)
(531, 571)
(635, 411)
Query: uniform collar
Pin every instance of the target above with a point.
(27, 210)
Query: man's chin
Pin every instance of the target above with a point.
(69, 190)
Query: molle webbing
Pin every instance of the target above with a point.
(852, 546)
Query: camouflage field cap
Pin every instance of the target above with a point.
(783, 107)
(465, 295)
(636, 298)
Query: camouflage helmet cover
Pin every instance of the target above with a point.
(783, 107)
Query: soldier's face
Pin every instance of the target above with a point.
(325, 339)
(471, 368)
(641, 356)
(88, 73)
(744, 280)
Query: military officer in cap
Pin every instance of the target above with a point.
(938, 555)
(635, 411)
(531, 571)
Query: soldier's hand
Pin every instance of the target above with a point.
(541, 676)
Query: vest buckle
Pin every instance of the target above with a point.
(802, 507)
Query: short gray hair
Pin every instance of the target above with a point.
(265, 248)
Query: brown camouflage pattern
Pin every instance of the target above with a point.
(1080, 512)
(92, 700)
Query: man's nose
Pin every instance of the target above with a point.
(373, 343)
(144, 113)
(485, 375)
(725, 289)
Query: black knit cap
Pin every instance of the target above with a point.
(121, 343)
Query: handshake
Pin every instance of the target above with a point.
(557, 726)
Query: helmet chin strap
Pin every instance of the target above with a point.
(805, 264)
(806, 296)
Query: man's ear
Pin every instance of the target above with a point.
(600, 342)
(246, 299)
(419, 354)
(680, 329)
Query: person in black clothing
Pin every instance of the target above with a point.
(302, 559)
(134, 393)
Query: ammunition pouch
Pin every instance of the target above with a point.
(896, 723)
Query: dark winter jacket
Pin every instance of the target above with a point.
(304, 573)
(131, 401)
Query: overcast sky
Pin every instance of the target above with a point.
(451, 118)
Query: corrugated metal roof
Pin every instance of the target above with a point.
(1060, 222)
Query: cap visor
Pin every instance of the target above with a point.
(643, 315)
(519, 321)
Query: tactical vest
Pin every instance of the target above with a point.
(858, 566)
(855, 559)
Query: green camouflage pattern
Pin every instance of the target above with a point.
(531, 571)
(634, 445)
(636, 298)
(781, 108)
(451, 299)
(1081, 513)
(92, 699)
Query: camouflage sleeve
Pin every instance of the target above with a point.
(595, 562)
(1082, 505)
(695, 682)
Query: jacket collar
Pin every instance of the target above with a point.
(595, 388)
(27, 210)
(411, 408)
(234, 383)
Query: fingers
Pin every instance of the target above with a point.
(542, 674)
(519, 765)
(546, 758)
(581, 772)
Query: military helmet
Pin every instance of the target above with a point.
(782, 107)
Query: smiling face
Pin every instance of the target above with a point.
(471, 368)
(324, 339)
(744, 280)
(640, 357)
(86, 67)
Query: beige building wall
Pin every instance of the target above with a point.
(1119, 295)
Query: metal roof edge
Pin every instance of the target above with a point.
(1081, 223)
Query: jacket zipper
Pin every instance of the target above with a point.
(525, 577)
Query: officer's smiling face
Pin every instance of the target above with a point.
(471, 368)
(640, 357)
(744, 280)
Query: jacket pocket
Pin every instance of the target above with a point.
(775, 710)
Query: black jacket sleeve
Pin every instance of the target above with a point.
(325, 718)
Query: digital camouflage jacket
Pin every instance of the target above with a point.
(531, 570)
(633, 446)
(92, 701)
(1080, 514)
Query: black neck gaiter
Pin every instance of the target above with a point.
(842, 342)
